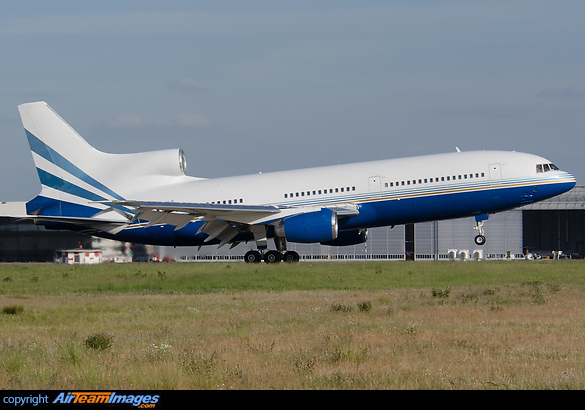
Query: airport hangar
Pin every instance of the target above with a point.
(557, 224)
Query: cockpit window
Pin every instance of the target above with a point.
(546, 167)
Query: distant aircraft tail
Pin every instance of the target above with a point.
(75, 176)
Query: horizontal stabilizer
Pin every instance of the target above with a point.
(110, 226)
(12, 209)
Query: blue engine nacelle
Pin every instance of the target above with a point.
(311, 227)
(346, 238)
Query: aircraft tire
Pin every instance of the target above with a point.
(480, 240)
(253, 257)
(291, 256)
(272, 257)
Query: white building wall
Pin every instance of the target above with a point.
(503, 232)
(433, 240)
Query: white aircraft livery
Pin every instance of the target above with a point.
(147, 198)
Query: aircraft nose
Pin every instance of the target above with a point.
(570, 178)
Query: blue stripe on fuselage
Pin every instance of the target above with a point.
(448, 206)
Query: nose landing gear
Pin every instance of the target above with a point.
(479, 221)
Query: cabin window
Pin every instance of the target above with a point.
(353, 188)
(483, 174)
(341, 189)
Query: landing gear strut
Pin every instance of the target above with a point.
(479, 220)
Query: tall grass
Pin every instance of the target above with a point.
(307, 326)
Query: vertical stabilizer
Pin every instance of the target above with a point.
(75, 176)
(65, 162)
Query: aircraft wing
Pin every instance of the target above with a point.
(223, 222)
(181, 213)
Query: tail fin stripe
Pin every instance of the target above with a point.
(57, 183)
(42, 149)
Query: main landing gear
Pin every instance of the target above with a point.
(271, 257)
(280, 254)
(479, 220)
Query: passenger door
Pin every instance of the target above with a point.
(495, 174)
(375, 184)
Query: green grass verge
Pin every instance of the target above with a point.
(52, 279)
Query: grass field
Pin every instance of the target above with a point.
(363, 325)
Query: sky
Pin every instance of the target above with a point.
(257, 86)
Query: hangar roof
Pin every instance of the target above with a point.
(569, 201)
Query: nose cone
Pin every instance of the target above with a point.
(570, 180)
(559, 184)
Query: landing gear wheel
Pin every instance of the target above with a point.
(252, 257)
(291, 256)
(480, 240)
(272, 257)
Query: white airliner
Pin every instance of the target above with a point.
(147, 198)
